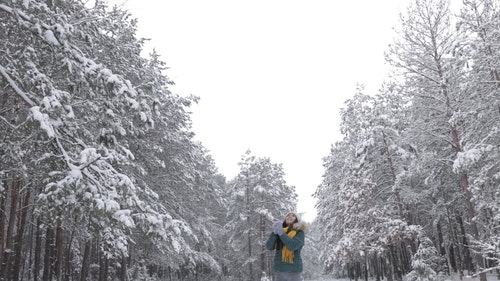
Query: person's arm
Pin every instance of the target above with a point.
(271, 241)
(293, 243)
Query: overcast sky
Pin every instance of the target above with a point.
(271, 75)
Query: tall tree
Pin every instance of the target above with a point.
(406, 150)
(364, 189)
(96, 151)
(424, 52)
(480, 115)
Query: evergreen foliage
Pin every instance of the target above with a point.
(426, 263)
(417, 158)
(101, 176)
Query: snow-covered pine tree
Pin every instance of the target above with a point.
(311, 253)
(440, 144)
(88, 129)
(362, 184)
(424, 54)
(479, 115)
(426, 263)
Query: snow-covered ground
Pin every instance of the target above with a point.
(491, 277)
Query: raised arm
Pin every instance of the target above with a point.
(271, 241)
(294, 243)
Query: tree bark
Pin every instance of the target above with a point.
(38, 250)
(463, 178)
(263, 246)
(123, 269)
(85, 262)
(457, 250)
(59, 243)
(465, 246)
(7, 262)
(18, 245)
(3, 215)
(366, 268)
(48, 259)
(103, 268)
(389, 266)
(249, 235)
(67, 261)
(3, 221)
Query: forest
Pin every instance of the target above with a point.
(102, 178)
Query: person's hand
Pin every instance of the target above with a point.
(278, 229)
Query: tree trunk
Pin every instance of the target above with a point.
(457, 253)
(464, 183)
(103, 268)
(85, 262)
(349, 271)
(463, 178)
(250, 264)
(38, 250)
(59, 251)
(407, 257)
(454, 247)
(366, 268)
(379, 268)
(450, 258)
(388, 266)
(263, 259)
(7, 262)
(400, 251)
(439, 238)
(48, 259)
(2, 232)
(466, 252)
(123, 269)
(2, 218)
(357, 269)
(18, 245)
(67, 261)
(249, 235)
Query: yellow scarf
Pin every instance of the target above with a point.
(287, 254)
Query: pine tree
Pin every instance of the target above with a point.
(426, 263)
(360, 201)
(479, 23)
(424, 53)
(96, 152)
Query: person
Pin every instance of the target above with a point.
(287, 239)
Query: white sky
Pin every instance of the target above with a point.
(272, 75)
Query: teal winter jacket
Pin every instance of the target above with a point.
(295, 244)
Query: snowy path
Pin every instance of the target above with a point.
(491, 277)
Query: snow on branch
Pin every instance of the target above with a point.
(468, 158)
(44, 121)
(14, 86)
